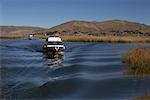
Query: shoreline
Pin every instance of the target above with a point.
(86, 38)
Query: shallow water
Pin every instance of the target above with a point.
(86, 71)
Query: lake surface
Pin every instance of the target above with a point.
(86, 71)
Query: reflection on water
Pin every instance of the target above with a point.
(54, 59)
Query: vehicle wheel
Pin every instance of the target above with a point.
(44, 47)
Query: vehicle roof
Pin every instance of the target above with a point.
(54, 39)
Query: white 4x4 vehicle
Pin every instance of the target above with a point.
(54, 44)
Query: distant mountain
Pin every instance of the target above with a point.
(112, 27)
(19, 30)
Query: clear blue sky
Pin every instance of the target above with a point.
(48, 13)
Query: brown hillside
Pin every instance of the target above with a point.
(18, 30)
(113, 27)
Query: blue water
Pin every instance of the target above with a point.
(85, 71)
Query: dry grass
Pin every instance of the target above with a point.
(121, 39)
(87, 38)
(143, 98)
(138, 60)
(12, 36)
(18, 36)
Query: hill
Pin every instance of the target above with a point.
(19, 30)
(112, 27)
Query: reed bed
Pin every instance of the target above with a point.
(87, 38)
(12, 36)
(142, 97)
(19, 36)
(138, 61)
(118, 39)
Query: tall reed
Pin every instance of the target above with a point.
(88, 38)
(138, 60)
(118, 39)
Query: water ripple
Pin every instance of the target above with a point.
(85, 71)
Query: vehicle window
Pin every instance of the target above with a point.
(55, 43)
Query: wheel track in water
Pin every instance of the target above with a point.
(88, 71)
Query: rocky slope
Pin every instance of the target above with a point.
(112, 27)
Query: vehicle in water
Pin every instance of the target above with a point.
(30, 37)
(54, 45)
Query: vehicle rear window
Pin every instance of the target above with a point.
(55, 43)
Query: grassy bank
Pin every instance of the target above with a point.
(118, 39)
(18, 36)
(86, 38)
(138, 61)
